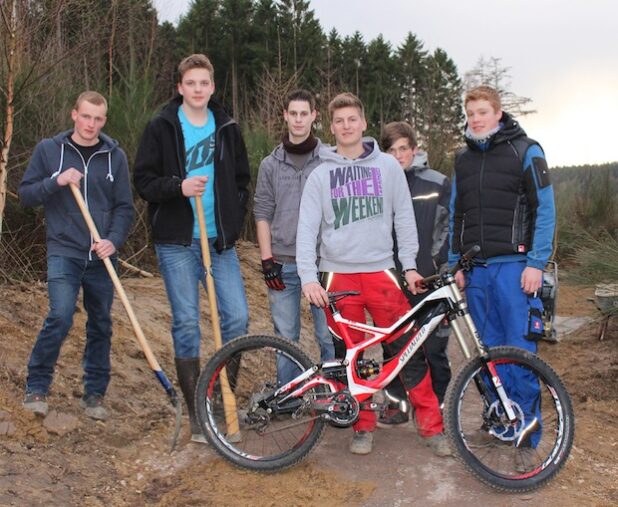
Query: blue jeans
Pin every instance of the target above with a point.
(285, 310)
(499, 309)
(182, 270)
(65, 276)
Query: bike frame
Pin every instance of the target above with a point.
(443, 302)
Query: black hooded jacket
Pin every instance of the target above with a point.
(160, 169)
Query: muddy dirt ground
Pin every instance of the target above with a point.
(70, 460)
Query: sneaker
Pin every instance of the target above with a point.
(482, 438)
(439, 445)
(362, 442)
(36, 403)
(525, 459)
(93, 407)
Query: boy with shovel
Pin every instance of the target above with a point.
(85, 157)
(193, 150)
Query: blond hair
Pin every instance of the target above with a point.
(346, 99)
(196, 61)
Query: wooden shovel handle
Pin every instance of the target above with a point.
(229, 400)
(139, 334)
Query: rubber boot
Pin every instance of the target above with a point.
(188, 371)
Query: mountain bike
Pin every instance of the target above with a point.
(523, 442)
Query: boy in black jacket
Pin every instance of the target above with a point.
(193, 150)
(430, 192)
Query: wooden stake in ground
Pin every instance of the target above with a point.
(229, 400)
(139, 334)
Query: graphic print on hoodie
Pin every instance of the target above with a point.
(348, 209)
(356, 194)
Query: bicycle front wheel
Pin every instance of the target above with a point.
(511, 454)
(270, 432)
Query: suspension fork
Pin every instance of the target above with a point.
(461, 311)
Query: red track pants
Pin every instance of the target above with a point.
(381, 296)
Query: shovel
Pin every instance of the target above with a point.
(139, 334)
(229, 400)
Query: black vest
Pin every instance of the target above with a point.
(492, 209)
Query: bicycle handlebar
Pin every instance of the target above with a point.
(462, 263)
(333, 297)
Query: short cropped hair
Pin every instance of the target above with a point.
(484, 92)
(397, 130)
(93, 97)
(346, 99)
(302, 96)
(196, 61)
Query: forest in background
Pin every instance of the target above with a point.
(51, 50)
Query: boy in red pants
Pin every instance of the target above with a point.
(350, 203)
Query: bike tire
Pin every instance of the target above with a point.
(287, 439)
(497, 461)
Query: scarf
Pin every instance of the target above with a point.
(303, 148)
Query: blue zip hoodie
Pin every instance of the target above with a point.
(105, 187)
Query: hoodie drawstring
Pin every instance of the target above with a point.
(61, 161)
(109, 175)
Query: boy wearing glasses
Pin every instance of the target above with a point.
(430, 192)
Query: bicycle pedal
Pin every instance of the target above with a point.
(374, 407)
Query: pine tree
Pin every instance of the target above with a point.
(411, 62)
(380, 91)
(442, 110)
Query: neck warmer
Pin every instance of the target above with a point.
(484, 137)
(303, 148)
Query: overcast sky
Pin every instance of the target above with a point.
(561, 54)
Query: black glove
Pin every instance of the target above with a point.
(272, 274)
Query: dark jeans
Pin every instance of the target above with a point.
(65, 276)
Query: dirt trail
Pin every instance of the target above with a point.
(126, 461)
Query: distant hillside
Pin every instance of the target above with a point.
(572, 174)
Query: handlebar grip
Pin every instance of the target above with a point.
(423, 283)
(463, 262)
(472, 252)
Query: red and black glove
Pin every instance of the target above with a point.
(272, 274)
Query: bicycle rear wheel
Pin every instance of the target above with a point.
(274, 434)
(512, 456)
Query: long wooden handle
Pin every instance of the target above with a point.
(139, 334)
(229, 400)
(137, 329)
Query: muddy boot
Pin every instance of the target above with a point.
(188, 371)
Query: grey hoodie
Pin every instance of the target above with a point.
(105, 187)
(277, 196)
(354, 205)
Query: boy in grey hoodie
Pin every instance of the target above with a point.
(87, 158)
(351, 202)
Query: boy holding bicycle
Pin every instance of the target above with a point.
(350, 204)
(503, 201)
